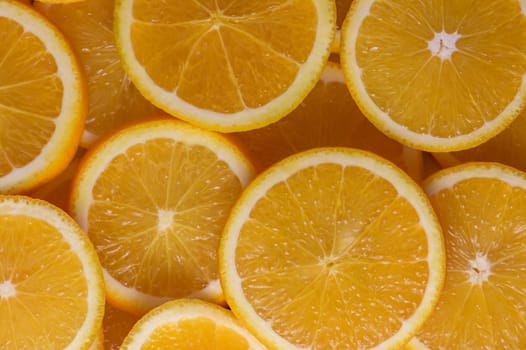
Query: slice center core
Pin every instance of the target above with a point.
(165, 219)
(480, 269)
(7, 290)
(443, 44)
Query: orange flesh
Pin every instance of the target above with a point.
(117, 324)
(195, 333)
(113, 99)
(30, 96)
(220, 54)
(422, 91)
(50, 299)
(327, 117)
(333, 259)
(488, 227)
(170, 212)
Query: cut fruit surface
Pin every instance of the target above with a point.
(481, 209)
(116, 325)
(327, 117)
(225, 65)
(42, 99)
(332, 248)
(190, 324)
(437, 75)
(153, 198)
(508, 147)
(113, 99)
(51, 283)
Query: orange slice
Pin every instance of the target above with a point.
(508, 147)
(481, 209)
(113, 99)
(327, 117)
(438, 76)
(42, 99)
(51, 284)
(153, 198)
(190, 324)
(225, 65)
(117, 324)
(332, 248)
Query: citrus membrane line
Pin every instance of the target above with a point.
(14, 44)
(123, 204)
(337, 208)
(262, 43)
(283, 236)
(198, 37)
(400, 96)
(171, 24)
(196, 181)
(417, 17)
(201, 206)
(265, 11)
(493, 28)
(468, 90)
(27, 114)
(26, 82)
(204, 7)
(306, 218)
(399, 28)
(283, 272)
(365, 230)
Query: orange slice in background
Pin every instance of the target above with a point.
(51, 283)
(438, 76)
(481, 209)
(327, 117)
(42, 99)
(113, 99)
(57, 190)
(153, 198)
(190, 324)
(508, 147)
(342, 7)
(332, 248)
(225, 65)
(116, 324)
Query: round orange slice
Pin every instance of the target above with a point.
(42, 99)
(332, 248)
(113, 100)
(482, 306)
(190, 324)
(328, 116)
(51, 283)
(437, 75)
(154, 198)
(226, 66)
